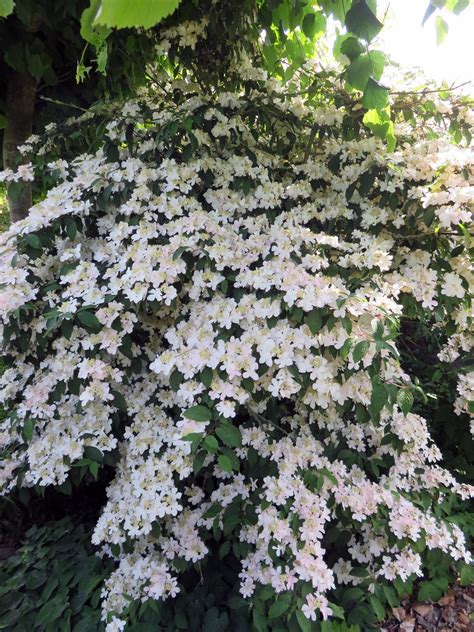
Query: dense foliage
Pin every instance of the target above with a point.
(53, 581)
(210, 306)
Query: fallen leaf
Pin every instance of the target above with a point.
(399, 614)
(464, 618)
(408, 625)
(446, 600)
(422, 609)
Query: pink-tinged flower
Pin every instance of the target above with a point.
(314, 603)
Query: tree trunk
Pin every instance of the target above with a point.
(20, 102)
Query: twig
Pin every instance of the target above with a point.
(425, 91)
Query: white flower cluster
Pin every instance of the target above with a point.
(218, 298)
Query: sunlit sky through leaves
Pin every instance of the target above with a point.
(411, 44)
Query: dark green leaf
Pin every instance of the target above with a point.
(89, 320)
(362, 21)
(278, 608)
(225, 463)
(198, 462)
(28, 429)
(360, 350)
(51, 610)
(198, 413)
(314, 320)
(304, 622)
(428, 591)
(377, 607)
(230, 435)
(206, 376)
(351, 47)
(33, 241)
(405, 400)
(467, 574)
(313, 24)
(180, 620)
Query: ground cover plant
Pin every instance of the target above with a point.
(53, 582)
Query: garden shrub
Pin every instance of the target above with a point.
(211, 304)
(53, 581)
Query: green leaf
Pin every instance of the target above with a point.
(379, 396)
(266, 593)
(362, 21)
(380, 123)
(198, 413)
(89, 320)
(304, 623)
(28, 429)
(178, 252)
(237, 603)
(94, 454)
(6, 7)
(360, 350)
(230, 435)
(94, 469)
(259, 621)
(364, 67)
(91, 32)
(193, 437)
(428, 591)
(377, 607)
(313, 24)
(337, 611)
(199, 461)
(119, 401)
(467, 574)
(140, 13)
(350, 47)
(442, 29)
(405, 400)
(225, 463)
(345, 349)
(278, 608)
(33, 241)
(213, 511)
(38, 63)
(180, 620)
(66, 328)
(211, 444)
(353, 594)
(391, 596)
(206, 376)
(428, 13)
(459, 6)
(71, 228)
(102, 58)
(51, 610)
(314, 320)
(176, 379)
(375, 95)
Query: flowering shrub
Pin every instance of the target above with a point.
(210, 304)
